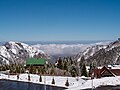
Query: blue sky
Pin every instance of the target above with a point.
(52, 20)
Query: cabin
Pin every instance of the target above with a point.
(35, 62)
(106, 72)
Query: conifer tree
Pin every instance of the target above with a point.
(71, 61)
(84, 71)
(82, 60)
(40, 79)
(67, 83)
(65, 66)
(43, 70)
(73, 73)
(28, 77)
(53, 81)
(31, 69)
(52, 71)
(60, 63)
(90, 70)
(17, 76)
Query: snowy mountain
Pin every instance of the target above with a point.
(17, 52)
(91, 50)
(102, 54)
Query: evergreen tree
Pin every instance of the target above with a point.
(22, 70)
(40, 79)
(65, 66)
(28, 77)
(84, 71)
(40, 70)
(7, 67)
(52, 71)
(53, 81)
(34, 70)
(90, 70)
(60, 63)
(17, 69)
(11, 70)
(67, 83)
(71, 61)
(17, 76)
(73, 73)
(31, 69)
(82, 60)
(43, 70)
(3, 68)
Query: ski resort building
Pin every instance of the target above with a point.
(106, 72)
(35, 62)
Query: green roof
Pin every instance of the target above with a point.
(35, 61)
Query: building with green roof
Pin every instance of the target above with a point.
(35, 62)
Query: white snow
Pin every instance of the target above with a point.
(60, 81)
(110, 66)
(98, 82)
(30, 49)
(4, 52)
(115, 67)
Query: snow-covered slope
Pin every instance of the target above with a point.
(74, 84)
(98, 82)
(92, 49)
(13, 52)
(103, 54)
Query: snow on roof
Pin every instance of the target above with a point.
(100, 67)
(110, 66)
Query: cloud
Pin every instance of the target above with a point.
(53, 49)
(67, 49)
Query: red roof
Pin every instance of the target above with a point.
(115, 71)
(98, 72)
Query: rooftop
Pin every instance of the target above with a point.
(35, 61)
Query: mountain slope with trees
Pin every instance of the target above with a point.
(102, 55)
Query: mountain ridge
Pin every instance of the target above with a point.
(102, 54)
(17, 52)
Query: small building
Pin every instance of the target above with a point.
(35, 62)
(106, 72)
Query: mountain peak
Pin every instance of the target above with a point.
(13, 52)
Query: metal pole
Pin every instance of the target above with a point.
(45, 83)
(92, 77)
(45, 78)
(92, 83)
